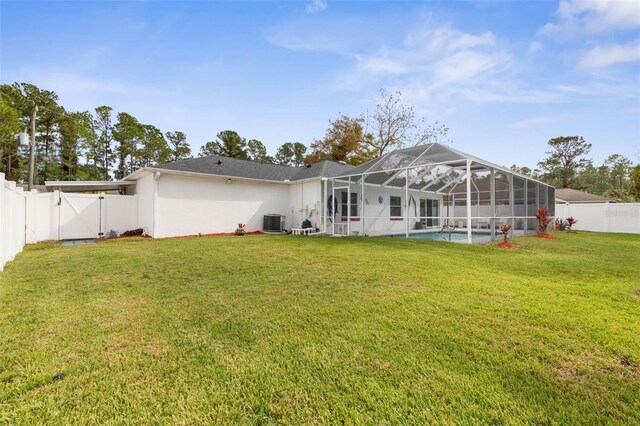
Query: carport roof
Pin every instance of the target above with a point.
(87, 186)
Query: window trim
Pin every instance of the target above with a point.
(354, 205)
(393, 206)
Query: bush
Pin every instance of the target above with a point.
(542, 215)
(505, 232)
(561, 225)
(133, 232)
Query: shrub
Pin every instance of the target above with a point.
(561, 225)
(240, 229)
(133, 232)
(542, 215)
(505, 232)
(570, 222)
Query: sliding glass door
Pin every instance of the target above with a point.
(433, 211)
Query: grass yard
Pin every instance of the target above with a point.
(275, 329)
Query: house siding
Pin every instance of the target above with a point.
(189, 205)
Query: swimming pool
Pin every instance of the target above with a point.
(456, 237)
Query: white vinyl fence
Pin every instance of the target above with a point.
(603, 217)
(30, 217)
(12, 220)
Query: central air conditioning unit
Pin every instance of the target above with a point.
(273, 223)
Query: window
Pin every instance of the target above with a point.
(395, 204)
(354, 204)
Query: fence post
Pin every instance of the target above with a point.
(2, 233)
(9, 227)
(29, 220)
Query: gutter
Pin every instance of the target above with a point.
(133, 176)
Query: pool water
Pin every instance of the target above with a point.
(456, 237)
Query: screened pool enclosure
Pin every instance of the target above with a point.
(436, 192)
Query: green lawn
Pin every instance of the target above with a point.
(276, 329)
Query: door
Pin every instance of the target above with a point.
(80, 216)
(423, 210)
(432, 213)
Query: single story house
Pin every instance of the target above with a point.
(406, 191)
(214, 194)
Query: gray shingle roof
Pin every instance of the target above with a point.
(322, 169)
(574, 196)
(234, 167)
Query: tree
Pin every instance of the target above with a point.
(100, 151)
(393, 124)
(592, 179)
(229, 144)
(634, 177)
(619, 168)
(23, 97)
(75, 130)
(127, 133)
(343, 141)
(565, 159)
(180, 149)
(9, 128)
(433, 133)
(258, 152)
(291, 154)
(524, 170)
(153, 148)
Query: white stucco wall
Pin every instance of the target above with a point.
(143, 189)
(188, 205)
(305, 202)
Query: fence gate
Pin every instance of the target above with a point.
(80, 216)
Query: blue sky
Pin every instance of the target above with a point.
(504, 76)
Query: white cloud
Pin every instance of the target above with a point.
(608, 54)
(441, 67)
(466, 65)
(446, 39)
(582, 16)
(381, 65)
(536, 47)
(316, 6)
(341, 35)
(446, 53)
(77, 86)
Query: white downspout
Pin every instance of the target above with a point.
(154, 232)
